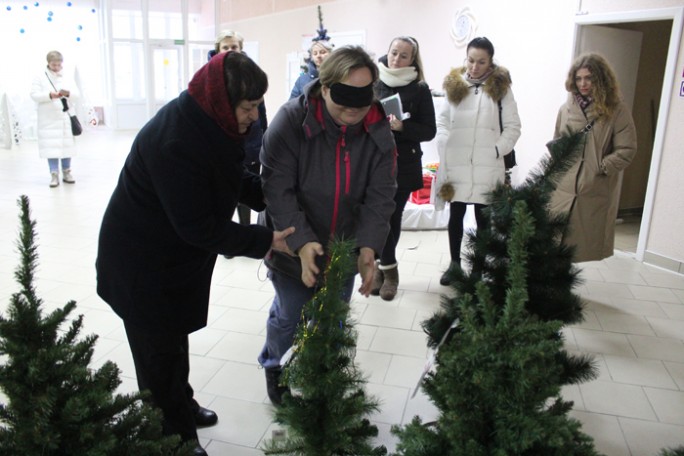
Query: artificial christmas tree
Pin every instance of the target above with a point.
(56, 405)
(551, 274)
(326, 412)
(501, 362)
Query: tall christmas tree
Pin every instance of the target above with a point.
(56, 405)
(501, 362)
(551, 274)
(326, 413)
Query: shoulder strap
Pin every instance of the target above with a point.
(500, 120)
(587, 128)
(53, 86)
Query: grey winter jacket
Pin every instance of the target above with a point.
(325, 180)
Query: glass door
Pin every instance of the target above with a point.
(167, 73)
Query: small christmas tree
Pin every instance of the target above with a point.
(496, 375)
(499, 372)
(56, 405)
(325, 414)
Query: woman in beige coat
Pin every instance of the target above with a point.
(589, 191)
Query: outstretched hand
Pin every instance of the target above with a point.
(279, 243)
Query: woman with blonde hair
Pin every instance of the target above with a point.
(589, 191)
(55, 93)
(320, 49)
(401, 72)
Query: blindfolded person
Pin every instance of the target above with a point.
(328, 169)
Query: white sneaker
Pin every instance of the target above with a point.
(54, 180)
(67, 177)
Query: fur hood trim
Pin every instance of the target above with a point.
(496, 85)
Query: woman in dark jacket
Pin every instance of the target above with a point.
(401, 72)
(167, 220)
(319, 51)
(230, 40)
(328, 170)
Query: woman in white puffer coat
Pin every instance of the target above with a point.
(470, 140)
(55, 141)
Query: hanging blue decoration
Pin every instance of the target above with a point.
(80, 27)
(36, 4)
(21, 30)
(50, 13)
(9, 8)
(78, 38)
(92, 10)
(49, 19)
(25, 7)
(68, 3)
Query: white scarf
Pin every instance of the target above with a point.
(397, 77)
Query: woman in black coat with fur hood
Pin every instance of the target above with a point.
(401, 72)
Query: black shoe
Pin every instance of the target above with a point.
(273, 388)
(445, 280)
(205, 417)
(199, 451)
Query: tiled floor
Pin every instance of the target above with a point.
(634, 318)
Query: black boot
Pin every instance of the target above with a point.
(273, 387)
(445, 280)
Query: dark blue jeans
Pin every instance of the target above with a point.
(286, 312)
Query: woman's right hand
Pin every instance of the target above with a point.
(279, 243)
(307, 255)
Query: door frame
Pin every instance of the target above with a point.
(676, 15)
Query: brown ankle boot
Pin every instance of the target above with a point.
(377, 281)
(389, 286)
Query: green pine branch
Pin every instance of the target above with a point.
(56, 404)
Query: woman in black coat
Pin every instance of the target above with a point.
(169, 217)
(401, 72)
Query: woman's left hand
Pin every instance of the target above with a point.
(395, 124)
(366, 266)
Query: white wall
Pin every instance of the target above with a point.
(534, 39)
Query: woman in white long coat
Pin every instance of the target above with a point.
(55, 140)
(471, 141)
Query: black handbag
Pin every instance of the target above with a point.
(76, 127)
(509, 160)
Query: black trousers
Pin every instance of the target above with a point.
(457, 212)
(244, 212)
(389, 251)
(162, 366)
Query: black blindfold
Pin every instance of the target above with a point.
(353, 97)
